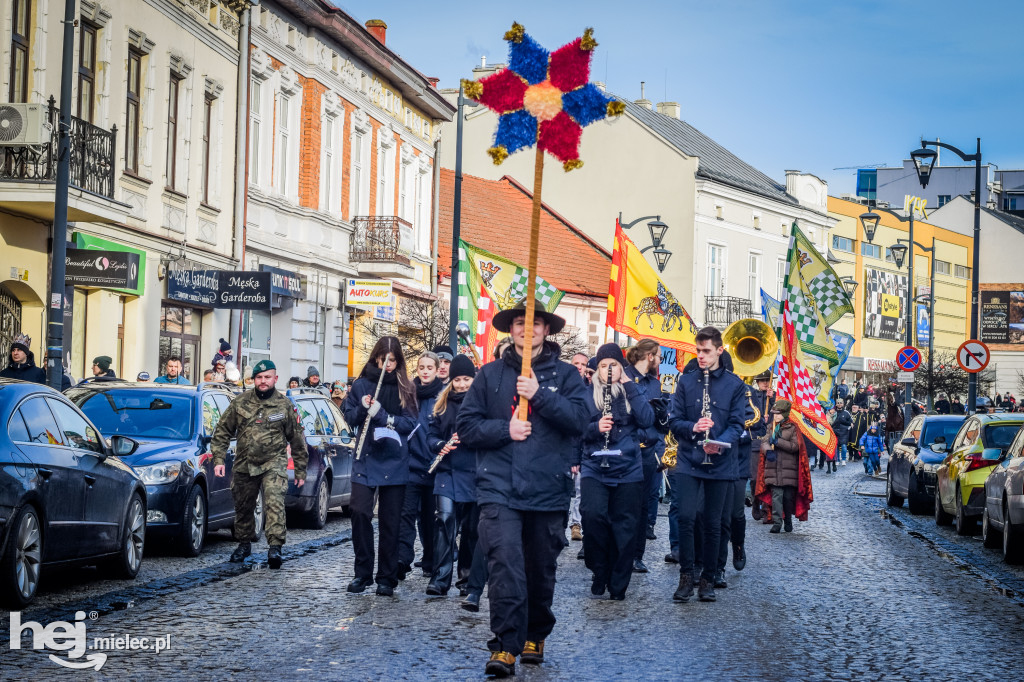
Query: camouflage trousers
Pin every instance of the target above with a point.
(245, 489)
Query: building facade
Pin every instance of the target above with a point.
(729, 224)
(153, 148)
(340, 182)
(1000, 189)
(878, 324)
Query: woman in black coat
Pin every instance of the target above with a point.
(382, 463)
(611, 485)
(454, 482)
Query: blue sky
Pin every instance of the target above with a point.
(808, 85)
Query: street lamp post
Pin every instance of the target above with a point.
(453, 303)
(924, 161)
(931, 316)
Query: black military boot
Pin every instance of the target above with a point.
(685, 589)
(274, 556)
(739, 557)
(243, 550)
(706, 591)
(471, 602)
(789, 524)
(720, 580)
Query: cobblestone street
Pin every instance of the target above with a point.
(856, 593)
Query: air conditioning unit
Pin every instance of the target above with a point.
(22, 125)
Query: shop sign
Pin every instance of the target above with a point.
(101, 268)
(221, 289)
(884, 297)
(1002, 317)
(880, 365)
(285, 282)
(367, 292)
(91, 243)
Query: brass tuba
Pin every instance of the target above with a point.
(668, 460)
(752, 345)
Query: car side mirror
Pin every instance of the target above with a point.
(122, 446)
(909, 441)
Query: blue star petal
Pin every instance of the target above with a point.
(528, 59)
(586, 104)
(516, 130)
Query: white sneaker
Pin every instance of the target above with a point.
(844, 463)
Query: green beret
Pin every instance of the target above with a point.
(263, 366)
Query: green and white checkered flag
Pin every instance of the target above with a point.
(545, 291)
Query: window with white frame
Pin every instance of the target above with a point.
(385, 172)
(255, 130)
(359, 175)
(754, 278)
(943, 267)
(844, 244)
(284, 142)
(716, 270)
(780, 276)
(331, 153)
(424, 201)
(962, 271)
(286, 134)
(404, 205)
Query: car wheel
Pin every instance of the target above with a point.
(989, 537)
(1012, 550)
(259, 516)
(965, 525)
(891, 498)
(21, 563)
(316, 517)
(193, 523)
(133, 538)
(942, 518)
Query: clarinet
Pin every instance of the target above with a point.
(437, 460)
(706, 412)
(607, 395)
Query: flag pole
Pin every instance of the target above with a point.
(531, 285)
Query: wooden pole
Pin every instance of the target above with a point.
(531, 285)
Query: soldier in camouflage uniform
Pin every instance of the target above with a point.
(263, 421)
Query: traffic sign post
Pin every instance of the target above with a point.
(908, 359)
(905, 377)
(973, 356)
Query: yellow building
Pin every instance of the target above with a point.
(879, 321)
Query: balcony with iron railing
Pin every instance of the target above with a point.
(26, 172)
(379, 246)
(721, 311)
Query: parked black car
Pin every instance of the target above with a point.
(66, 496)
(174, 425)
(329, 445)
(911, 470)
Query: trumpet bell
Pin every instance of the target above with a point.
(752, 345)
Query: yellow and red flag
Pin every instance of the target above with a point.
(795, 385)
(641, 306)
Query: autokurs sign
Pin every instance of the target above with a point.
(222, 289)
(367, 292)
(102, 269)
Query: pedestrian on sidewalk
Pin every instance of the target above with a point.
(312, 379)
(456, 512)
(381, 467)
(172, 373)
(612, 487)
(101, 367)
(644, 359)
(523, 480)
(262, 422)
(858, 428)
(418, 505)
(841, 426)
(785, 477)
(871, 445)
(21, 363)
(707, 385)
(294, 382)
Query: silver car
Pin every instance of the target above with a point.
(1002, 521)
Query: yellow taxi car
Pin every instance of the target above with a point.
(960, 479)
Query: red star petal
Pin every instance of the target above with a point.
(560, 137)
(570, 66)
(503, 91)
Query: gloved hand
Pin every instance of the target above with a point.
(374, 409)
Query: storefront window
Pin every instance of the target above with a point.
(180, 330)
(255, 337)
(78, 316)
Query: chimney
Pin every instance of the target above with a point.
(643, 101)
(433, 80)
(378, 29)
(791, 176)
(670, 109)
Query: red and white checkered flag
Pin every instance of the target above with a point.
(795, 385)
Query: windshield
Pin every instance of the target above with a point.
(1000, 435)
(138, 413)
(946, 430)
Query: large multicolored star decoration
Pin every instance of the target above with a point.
(543, 98)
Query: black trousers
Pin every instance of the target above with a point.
(478, 569)
(449, 516)
(522, 550)
(418, 509)
(689, 489)
(389, 518)
(609, 515)
(650, 462)
(734, 520)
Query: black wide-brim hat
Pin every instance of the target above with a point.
(503, 320)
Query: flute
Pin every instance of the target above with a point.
(366, 423)
(440, 456)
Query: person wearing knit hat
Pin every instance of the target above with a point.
(101, 367)
(454, 482)
(444, 354)
(612, 473)
(223, 352)
(784, 479)
(312, 379)
(22, 362)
